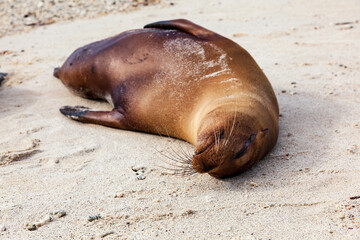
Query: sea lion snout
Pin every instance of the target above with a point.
(204, 162)
(227, 152)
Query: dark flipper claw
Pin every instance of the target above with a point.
(74, 112)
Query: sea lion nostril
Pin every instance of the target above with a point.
(207, 168)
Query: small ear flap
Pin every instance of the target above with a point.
(184, 26)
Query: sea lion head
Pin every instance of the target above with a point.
(228, 147)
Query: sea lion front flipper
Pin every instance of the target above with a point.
(184, 26)
(83, 114)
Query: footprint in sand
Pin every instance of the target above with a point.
(18, 155)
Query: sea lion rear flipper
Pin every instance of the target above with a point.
(56, 72)
(83, 114)
(184, 26)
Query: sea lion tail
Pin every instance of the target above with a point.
(184, 26)
(56, 72)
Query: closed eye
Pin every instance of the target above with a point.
(242, 151)
(245, 147)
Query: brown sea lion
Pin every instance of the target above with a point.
(179, 79)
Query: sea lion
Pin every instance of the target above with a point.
(179, 79)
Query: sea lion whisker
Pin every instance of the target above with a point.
(172, 172)
(219, 139)
(216, 141)
(178, 152)
(174, 156)
(158, 132)
(171, 157)
(184, 173)
(175, 167)
(178, 170)
(179, 174)
(232, 129)
(214, 132)
(186, 156)
(183, 163)
(181, 159)
(190, 154)
(177, 155)
(174, 159)
(189, 172)
(182, 170)
(225, 147)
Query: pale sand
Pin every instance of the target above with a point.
(300, 191)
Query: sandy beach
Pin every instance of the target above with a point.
(60, 179)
